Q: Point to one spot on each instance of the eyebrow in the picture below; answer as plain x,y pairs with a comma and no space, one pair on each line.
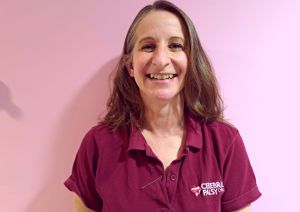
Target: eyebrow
152,38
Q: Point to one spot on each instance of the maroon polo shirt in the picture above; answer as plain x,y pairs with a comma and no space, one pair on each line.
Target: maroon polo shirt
117,171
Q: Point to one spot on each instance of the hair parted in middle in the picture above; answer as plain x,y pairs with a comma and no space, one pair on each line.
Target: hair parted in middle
201,93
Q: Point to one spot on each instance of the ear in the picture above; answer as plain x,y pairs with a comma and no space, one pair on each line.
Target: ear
129,67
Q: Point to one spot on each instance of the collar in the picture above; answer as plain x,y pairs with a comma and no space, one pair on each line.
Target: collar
193,137
136,139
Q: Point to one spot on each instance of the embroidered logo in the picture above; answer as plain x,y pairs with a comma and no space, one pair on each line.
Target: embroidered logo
208,189
196,190
213,188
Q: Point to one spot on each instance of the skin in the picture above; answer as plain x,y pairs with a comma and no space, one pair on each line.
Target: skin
79,206
159,50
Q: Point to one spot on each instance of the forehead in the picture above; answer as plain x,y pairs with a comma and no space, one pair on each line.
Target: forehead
159,23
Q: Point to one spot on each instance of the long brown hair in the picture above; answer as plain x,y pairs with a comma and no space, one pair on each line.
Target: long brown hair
201,94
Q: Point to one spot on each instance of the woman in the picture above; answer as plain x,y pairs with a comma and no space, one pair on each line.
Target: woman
163,145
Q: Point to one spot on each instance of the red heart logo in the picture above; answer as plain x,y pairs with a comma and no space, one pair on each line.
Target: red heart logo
196,190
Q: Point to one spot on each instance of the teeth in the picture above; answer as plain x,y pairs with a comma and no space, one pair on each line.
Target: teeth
162,76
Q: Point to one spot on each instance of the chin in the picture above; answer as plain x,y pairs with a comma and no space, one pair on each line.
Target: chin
167,97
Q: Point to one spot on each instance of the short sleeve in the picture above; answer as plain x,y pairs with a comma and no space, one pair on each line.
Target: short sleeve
239,179
82,179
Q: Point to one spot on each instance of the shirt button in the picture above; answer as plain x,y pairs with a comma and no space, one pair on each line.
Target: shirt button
173,177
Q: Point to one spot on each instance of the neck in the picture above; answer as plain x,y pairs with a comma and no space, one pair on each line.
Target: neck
165,118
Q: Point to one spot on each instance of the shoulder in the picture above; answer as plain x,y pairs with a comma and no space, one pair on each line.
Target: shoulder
221,135
221,128
98,131
102,137
102,132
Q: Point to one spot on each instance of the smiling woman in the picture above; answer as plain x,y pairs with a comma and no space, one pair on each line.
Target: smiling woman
163,144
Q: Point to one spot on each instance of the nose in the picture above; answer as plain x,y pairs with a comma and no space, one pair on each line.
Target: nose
161,57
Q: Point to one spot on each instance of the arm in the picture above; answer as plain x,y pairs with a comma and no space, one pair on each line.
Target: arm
245,209
79,205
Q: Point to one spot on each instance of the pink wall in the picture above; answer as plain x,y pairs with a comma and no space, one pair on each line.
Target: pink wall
55,58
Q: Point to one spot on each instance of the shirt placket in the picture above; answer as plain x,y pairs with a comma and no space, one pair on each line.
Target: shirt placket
172,178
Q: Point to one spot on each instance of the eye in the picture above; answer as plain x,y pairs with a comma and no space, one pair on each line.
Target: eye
148,47
176,46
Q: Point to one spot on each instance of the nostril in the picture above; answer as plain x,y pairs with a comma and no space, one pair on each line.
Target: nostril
161,58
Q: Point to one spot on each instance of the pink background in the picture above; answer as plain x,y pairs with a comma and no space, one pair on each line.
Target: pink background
55,59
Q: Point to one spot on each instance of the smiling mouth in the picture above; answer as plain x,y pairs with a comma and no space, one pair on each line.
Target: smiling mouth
161,76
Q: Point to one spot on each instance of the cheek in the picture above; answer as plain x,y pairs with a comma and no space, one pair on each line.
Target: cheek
139,62
182,62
